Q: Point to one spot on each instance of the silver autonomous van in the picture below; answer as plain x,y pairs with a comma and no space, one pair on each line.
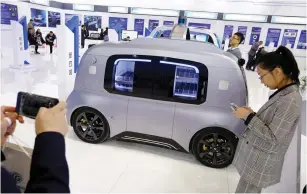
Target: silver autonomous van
174,94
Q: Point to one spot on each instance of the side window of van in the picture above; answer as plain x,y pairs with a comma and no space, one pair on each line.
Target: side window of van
157,78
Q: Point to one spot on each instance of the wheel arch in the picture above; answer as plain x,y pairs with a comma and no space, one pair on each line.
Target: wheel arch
81,107
206,128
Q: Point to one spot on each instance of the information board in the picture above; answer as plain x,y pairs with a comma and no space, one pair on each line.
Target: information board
8,12
68,17
92,23
302,40
199,25
255,35
289,37
228,30
243,30
152,24
118,24
39,17
54,18
139,26
168,23
273,36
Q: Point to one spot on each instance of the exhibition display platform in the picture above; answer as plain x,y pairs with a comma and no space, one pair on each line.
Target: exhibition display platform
116,166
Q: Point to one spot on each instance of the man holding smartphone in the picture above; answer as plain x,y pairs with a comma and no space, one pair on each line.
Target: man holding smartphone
49,169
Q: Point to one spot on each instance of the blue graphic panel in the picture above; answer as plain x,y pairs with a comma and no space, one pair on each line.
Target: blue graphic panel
8,12
273,36
92,23
243,30
255,35
68,18
186,82
228,30
302,41
199,25
118,24
39,17
152,24
139,26
54,18
289,37
168,23
73,26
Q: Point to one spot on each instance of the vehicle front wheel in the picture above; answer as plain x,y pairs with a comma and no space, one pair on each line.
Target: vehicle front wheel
214,147
90,125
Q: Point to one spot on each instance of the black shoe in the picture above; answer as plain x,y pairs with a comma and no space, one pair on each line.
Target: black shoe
37,53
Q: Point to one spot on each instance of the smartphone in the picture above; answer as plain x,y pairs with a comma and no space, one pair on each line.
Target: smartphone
233,106
28,104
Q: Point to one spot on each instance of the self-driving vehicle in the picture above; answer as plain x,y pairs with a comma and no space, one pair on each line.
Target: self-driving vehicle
170,93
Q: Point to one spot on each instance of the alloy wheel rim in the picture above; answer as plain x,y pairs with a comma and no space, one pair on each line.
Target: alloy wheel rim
90,126
215,149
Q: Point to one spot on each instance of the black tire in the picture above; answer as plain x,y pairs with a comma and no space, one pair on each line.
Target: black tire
90,130
214,147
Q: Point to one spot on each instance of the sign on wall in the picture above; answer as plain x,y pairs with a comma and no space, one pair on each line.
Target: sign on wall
168,23
54,18
8,12
243,30
152,24
68,17
199,25
92,23
289,37
139,26
228,30
39,17
302,41
255,35
273,36
118,24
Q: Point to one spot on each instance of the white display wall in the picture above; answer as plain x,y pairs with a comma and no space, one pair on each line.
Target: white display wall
216,25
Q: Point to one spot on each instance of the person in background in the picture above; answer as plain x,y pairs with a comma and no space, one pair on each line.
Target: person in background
261,150
30,24
39,37
84,34
252,53
32,39
106,35
235,41
50,38
49,170
101,34
259,53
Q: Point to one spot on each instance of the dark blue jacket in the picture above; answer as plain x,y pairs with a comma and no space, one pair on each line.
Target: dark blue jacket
49,170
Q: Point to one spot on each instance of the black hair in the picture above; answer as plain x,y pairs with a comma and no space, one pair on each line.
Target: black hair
241,36
31,20
284,59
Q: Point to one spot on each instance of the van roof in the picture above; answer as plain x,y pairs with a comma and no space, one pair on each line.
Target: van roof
141,45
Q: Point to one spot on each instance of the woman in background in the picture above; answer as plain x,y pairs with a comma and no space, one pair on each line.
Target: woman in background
260,153
32,39
39,37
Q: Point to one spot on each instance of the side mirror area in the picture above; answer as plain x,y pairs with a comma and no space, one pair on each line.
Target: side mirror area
241,62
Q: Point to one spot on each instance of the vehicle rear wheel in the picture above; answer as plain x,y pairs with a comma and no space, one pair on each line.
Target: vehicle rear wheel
214,147
90,125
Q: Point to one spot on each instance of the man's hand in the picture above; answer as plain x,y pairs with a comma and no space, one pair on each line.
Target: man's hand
8,129
52,120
